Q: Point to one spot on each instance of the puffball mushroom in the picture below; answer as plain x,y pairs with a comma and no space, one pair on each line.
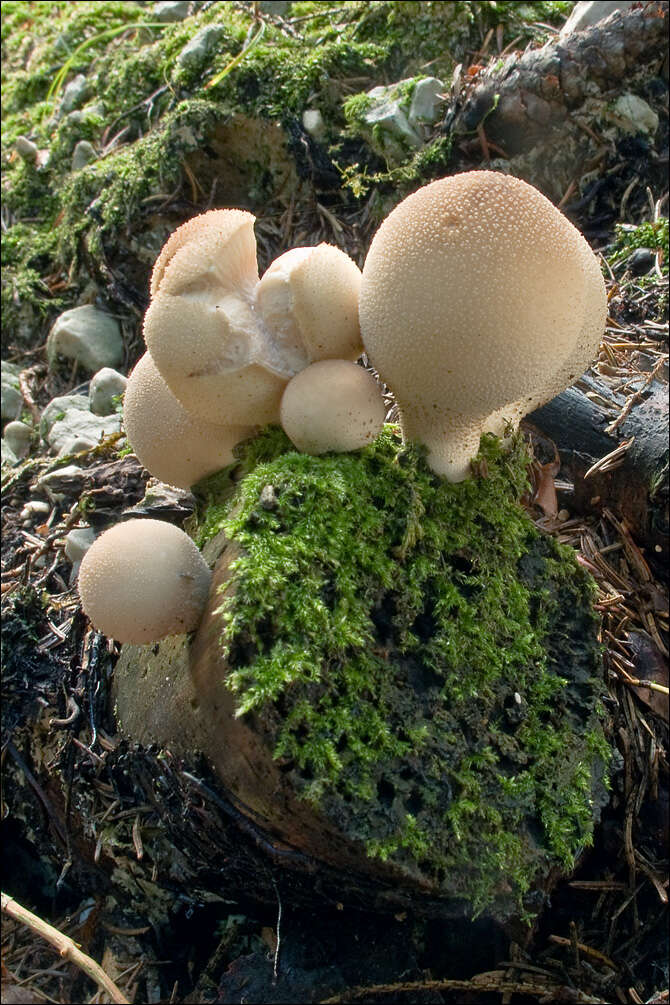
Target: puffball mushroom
332,405
479,300
308,298
172,444
142,581
226,343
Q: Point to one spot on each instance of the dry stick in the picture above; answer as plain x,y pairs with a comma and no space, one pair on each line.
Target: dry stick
490,982
65,946
635,397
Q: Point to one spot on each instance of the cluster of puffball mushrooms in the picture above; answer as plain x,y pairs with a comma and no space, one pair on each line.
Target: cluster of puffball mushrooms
478,302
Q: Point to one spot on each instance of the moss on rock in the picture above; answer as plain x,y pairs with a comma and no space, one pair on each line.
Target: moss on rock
422,661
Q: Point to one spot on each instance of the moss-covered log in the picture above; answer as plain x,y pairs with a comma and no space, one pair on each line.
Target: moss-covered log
395,675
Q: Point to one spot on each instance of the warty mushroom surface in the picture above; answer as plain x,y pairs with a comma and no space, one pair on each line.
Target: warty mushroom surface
478,297
226,343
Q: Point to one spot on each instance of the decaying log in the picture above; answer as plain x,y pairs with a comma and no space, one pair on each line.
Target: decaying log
527,98
635,488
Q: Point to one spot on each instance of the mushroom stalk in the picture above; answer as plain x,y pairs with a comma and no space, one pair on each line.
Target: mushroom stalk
450,443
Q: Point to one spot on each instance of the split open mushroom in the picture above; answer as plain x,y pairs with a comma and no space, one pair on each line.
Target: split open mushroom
172,444
332,405
226,343
142,581
479,301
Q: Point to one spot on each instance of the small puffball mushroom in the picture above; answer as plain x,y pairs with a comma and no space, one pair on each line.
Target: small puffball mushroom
479,300
143,580
224,350
173,445
332,405
308,298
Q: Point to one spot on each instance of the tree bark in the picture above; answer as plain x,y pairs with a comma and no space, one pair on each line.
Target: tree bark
637,489
525,100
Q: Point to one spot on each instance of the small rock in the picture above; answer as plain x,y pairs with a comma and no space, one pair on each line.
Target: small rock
641,261
106,387
279,7
77,543
73,94
387,114
268,497
585,13
26,149
57,408
17,437
634,115
97,109
167,12
79,430
66,479
83,154
35,509
11,399
203,43
312,121
7,455
427,102
163,502
88,335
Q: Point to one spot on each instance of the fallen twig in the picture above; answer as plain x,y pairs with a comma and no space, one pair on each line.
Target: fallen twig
67,948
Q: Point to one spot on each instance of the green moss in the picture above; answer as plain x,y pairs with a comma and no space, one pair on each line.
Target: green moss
145,111
422,660
652,235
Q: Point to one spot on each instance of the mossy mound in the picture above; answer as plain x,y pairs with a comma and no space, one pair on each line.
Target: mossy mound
421,660
163,134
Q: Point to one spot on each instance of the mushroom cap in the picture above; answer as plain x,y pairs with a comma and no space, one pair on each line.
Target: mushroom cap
219,224
583,353
308,298
332,405
175,446
143,580
200,327
475,292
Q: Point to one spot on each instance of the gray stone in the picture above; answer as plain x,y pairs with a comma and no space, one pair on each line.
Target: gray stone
106,386
88,335
17,436
313,123
589,12
57,408
7,455
26,149
83,154
387,114
78,430
11,399
279,7
77,543
201,46
171,11
427,102
641,261
634,115
33,510
69,478
73,94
